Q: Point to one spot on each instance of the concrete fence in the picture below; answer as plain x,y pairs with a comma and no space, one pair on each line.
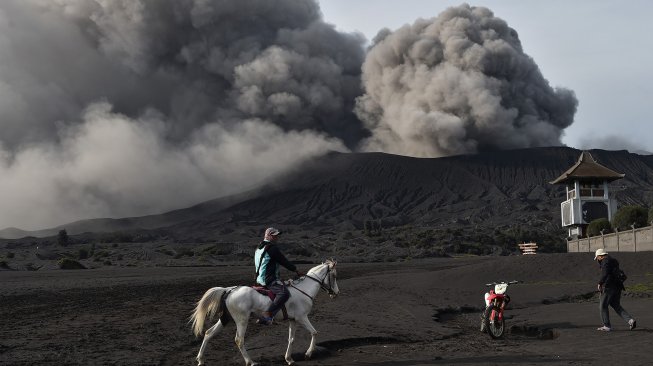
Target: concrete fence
634,240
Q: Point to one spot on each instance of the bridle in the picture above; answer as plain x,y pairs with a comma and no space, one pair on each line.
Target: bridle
328,289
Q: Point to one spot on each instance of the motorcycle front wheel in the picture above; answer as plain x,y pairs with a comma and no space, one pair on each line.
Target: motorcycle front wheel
493,325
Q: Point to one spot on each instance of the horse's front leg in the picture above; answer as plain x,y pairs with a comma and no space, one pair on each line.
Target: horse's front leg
307,324
291,339
208,335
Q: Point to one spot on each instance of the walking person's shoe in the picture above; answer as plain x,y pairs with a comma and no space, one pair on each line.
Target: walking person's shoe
632,324
604,329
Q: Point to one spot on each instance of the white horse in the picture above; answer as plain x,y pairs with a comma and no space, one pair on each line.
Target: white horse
241,301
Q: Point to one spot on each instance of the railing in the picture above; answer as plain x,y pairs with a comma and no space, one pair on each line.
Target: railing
528,248
634,240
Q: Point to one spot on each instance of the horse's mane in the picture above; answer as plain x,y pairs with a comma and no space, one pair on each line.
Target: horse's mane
331,263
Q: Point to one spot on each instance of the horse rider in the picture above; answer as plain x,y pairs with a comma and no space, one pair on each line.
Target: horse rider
267,259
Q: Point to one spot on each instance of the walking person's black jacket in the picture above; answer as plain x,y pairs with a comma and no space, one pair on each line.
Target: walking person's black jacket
609,273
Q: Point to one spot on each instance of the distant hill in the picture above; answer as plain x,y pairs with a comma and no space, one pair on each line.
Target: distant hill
339,196
107,225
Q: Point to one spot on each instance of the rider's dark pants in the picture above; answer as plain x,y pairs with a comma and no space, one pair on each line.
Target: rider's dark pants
282,296
611,296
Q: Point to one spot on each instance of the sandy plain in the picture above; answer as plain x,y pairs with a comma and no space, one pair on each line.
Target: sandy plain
419,312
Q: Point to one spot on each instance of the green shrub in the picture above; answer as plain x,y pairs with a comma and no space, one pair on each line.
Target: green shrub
101,253
628,215
597,225
83,253
650,215
67,263
181,252
62,238
165,251
32,267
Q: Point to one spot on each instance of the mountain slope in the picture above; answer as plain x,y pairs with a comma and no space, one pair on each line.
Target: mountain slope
503,188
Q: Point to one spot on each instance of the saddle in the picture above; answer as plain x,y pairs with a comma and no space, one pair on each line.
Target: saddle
267,292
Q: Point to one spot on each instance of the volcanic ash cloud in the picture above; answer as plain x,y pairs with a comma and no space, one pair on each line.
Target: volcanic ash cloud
459,83
131,107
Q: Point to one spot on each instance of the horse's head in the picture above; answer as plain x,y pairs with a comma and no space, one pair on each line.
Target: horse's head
325,275
330,279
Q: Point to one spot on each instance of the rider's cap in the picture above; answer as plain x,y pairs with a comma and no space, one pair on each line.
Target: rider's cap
599,252
272,232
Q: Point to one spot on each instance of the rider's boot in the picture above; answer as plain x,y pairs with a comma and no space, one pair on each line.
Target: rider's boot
265,319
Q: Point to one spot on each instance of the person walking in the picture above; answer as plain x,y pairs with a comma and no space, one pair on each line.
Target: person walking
267,259
610,287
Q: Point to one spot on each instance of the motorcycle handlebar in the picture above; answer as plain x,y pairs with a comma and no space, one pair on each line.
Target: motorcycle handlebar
498,283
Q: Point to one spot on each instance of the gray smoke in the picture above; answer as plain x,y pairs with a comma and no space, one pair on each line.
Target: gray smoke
459,83
128,107
613,142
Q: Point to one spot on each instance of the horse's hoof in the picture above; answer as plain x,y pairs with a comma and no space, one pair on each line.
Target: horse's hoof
290,362
308,356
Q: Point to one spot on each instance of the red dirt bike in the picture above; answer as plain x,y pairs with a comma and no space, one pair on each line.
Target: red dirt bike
492,319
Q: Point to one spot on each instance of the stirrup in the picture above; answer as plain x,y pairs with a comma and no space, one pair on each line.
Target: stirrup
264,320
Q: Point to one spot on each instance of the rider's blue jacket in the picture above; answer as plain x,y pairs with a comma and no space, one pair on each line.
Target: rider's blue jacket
267,259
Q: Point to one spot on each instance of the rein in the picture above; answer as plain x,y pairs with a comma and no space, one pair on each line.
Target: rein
329,289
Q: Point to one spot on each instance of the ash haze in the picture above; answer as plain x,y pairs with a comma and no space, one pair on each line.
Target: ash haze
118,108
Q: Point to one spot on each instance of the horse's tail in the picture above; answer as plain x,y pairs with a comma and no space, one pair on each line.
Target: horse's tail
209,304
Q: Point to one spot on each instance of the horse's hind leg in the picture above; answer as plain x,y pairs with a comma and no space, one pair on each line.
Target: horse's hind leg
208,335
307,324
291,339
241,328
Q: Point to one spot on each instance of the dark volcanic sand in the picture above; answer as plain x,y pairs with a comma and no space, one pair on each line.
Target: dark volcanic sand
385,315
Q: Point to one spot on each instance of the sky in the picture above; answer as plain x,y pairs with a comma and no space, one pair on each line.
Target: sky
122,108
600,49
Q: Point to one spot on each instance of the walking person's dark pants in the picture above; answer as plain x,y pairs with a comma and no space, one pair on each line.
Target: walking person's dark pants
611,296
282,296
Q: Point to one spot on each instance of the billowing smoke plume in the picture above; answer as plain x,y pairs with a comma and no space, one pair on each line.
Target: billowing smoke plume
458,83
128,107
113,108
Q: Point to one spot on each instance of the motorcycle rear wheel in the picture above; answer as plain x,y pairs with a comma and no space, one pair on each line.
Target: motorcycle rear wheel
493,325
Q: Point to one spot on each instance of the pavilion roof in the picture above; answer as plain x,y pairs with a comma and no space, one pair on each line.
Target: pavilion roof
587,168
